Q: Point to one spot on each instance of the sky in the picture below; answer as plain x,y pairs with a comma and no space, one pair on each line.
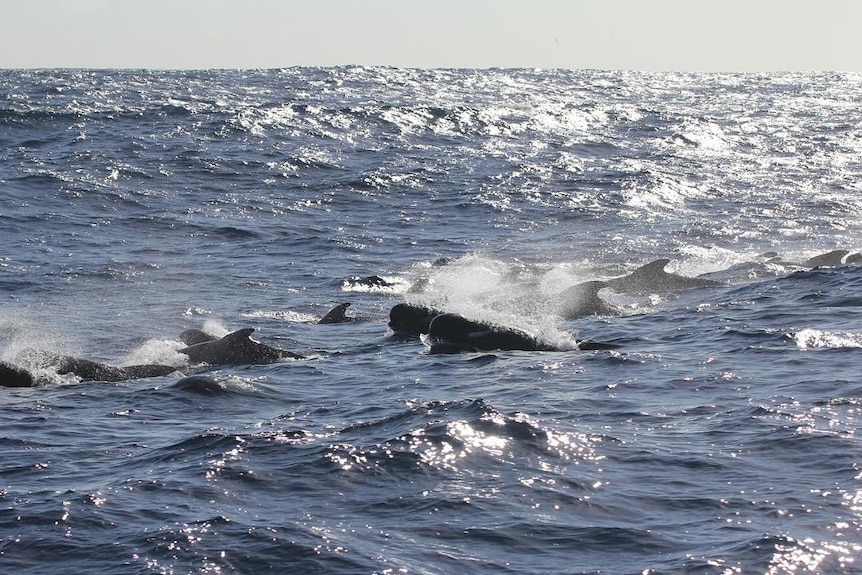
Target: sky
651,35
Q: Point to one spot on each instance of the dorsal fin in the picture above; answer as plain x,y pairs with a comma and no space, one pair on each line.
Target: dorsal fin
652,269
829,259
642,278
244,333
583,299
338,314
588,289
652,277
193,336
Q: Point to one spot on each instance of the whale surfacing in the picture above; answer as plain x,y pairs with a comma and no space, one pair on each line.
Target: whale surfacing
833,259
14,376
452,333
87,370
411,320
194,336
235,349
652,277
583,299
338,314
199,384
84,369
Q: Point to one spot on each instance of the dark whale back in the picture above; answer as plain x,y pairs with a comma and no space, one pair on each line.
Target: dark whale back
195,336
235,349
652,277
406,319
583,299
14,376
87,370
199,384
147,370
84,369
452,333
829,259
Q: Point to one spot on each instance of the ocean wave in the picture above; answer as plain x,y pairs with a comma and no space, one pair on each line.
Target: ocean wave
815,338
450,436
718,436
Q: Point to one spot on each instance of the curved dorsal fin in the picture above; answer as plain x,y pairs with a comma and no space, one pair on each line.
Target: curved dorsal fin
829,259
651,269
338,314
244,333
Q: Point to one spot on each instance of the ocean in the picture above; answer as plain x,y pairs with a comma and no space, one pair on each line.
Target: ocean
716,433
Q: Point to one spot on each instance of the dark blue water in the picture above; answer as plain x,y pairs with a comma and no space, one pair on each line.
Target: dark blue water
718,437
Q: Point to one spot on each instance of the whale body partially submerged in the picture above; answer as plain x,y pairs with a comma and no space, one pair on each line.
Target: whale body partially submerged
15,376
338,314
652,277
582,300
828,259
234,349
411,320
87,370
195,336
84,369
453,333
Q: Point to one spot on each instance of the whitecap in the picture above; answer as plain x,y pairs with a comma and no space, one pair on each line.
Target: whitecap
283,315
815,338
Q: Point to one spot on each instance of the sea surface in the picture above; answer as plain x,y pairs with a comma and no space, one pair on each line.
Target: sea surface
719,436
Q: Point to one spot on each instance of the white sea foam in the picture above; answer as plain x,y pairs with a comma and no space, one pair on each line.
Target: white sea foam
816,338
282,315
157,351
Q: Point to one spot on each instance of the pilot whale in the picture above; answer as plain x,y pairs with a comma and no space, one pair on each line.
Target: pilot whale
234,349
84,369
338,314
199,384
652,277
411,320
453,333
87,370
582,300
832,258
195,336
14,376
